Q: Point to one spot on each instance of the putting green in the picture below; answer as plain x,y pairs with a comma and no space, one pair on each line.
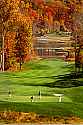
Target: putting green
14,98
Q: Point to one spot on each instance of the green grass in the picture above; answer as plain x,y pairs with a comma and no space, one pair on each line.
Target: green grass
49,77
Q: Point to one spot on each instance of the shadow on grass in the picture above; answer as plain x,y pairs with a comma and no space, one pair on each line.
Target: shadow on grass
60,81
67,80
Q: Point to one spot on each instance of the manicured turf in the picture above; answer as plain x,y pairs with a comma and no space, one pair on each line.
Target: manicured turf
49,77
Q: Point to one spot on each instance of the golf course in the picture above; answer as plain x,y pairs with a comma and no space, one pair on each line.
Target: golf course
48,77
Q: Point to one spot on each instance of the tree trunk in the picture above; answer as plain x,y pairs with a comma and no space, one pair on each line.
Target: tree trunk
3,54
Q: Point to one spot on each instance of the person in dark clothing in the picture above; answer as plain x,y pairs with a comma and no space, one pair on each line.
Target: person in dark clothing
39,94
31,98
9,93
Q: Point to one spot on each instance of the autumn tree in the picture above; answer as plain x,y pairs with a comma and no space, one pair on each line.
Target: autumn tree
78,36
7,7
15,17
9,50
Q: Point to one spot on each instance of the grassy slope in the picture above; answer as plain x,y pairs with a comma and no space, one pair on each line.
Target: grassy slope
41,75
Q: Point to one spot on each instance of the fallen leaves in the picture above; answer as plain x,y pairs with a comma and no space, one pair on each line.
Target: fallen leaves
31,117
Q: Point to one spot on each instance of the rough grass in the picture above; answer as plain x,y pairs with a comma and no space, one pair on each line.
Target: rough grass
49,77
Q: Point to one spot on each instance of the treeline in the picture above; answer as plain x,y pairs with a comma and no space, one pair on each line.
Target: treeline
20,19
56,15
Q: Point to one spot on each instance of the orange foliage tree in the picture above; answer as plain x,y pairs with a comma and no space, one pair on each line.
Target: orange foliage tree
78,36
15,17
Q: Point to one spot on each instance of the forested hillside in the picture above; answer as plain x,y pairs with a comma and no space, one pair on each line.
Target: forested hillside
20,19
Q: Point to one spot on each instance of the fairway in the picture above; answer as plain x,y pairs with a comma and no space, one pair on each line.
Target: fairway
49,77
